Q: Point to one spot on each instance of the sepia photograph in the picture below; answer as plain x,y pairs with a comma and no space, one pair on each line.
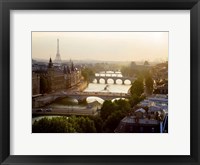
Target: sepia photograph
100,81
97,72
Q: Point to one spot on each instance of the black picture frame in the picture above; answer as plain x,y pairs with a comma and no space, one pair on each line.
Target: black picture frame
7,5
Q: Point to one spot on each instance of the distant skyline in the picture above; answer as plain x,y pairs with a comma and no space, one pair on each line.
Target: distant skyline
103,46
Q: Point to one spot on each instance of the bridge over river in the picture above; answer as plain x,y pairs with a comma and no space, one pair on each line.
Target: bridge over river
80,96
113,77
102,95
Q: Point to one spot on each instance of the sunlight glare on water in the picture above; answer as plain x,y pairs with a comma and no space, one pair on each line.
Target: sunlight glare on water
110,87
93,99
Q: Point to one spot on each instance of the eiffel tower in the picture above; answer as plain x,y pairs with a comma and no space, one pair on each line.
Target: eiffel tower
57,60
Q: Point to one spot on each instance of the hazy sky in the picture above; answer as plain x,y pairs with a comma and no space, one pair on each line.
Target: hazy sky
110,46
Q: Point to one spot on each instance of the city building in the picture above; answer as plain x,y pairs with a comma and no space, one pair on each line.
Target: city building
161,89
52,77
63,79
150,117
35,83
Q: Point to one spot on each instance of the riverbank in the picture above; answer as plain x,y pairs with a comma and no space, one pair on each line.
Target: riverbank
81,86
49,98
70,110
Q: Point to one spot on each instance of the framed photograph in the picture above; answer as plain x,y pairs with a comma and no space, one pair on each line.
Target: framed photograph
111,82
102,90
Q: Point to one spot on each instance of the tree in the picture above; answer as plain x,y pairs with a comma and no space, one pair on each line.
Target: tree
134,99
136,90
123,105
112,121
107,109
85,125
137,87
54,125
113,112
64,125
87,74
98,122
129,71
149,84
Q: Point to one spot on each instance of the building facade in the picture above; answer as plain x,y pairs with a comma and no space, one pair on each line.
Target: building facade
35,83
54,76
62,79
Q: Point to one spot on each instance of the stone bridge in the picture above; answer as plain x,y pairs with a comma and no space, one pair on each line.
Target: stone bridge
103,95
114,78
80,96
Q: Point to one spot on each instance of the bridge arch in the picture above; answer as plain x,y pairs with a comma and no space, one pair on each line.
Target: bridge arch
124,80
81,96
99,81
68,99
92,99
127,81
118,81
110,79
95,81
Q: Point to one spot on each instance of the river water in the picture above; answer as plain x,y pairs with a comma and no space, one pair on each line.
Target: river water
93,87
107,88
110,87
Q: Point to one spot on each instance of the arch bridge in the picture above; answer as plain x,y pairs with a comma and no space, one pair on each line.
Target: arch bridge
103,95
106,78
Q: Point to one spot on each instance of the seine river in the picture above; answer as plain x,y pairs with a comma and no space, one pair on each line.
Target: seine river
94,87
110,87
